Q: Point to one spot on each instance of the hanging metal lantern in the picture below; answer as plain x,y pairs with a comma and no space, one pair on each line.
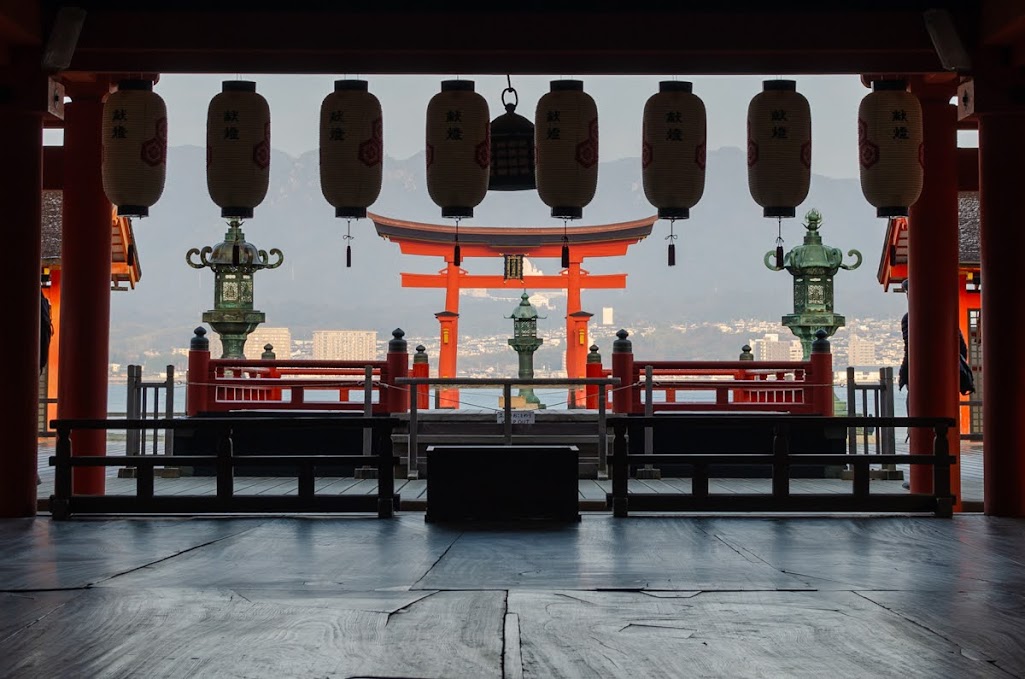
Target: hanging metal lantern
779,148
673,149
566,141
134,147
458,148
512,149
890,148
238,148
351,148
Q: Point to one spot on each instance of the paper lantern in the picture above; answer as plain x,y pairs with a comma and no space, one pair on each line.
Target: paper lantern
238,149
673,149
890,149
351,148
566,141
779,148
458,148
134,147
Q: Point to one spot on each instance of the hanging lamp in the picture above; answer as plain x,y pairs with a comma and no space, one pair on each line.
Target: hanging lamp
779,152
134,164
890,148
673,153
351,152
238,149
458,151
512,148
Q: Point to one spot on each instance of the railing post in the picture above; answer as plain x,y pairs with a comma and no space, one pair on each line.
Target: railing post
61,500
743,395
169,410
268,354
421,368
132,436
224,466
852,411
623,368
603,433
412,440
941,473
397,398
620,471
385,471
822,375
199,368
593,368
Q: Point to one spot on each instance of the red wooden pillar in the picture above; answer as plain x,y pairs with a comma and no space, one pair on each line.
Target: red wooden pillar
422,368
594,371
21,181
932,283
85,266
1001,167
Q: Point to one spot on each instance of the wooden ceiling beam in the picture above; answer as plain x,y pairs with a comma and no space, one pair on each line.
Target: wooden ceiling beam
1002,22
614,42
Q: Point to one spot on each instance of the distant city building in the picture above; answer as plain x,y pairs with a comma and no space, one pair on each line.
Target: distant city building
345,345
606,315
279,338
860,351
771,348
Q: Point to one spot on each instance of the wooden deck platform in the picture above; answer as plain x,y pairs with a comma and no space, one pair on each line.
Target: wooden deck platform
637,597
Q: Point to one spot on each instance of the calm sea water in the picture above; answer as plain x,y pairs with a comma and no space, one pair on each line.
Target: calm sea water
554,399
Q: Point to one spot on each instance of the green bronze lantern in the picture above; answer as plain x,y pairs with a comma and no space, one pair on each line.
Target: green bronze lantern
525,341
813,266
233,261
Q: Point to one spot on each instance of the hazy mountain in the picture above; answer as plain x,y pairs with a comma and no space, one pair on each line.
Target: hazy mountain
719,273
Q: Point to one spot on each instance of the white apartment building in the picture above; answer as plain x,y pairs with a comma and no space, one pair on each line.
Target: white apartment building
345,345
771,348
279,338
861,352
606,315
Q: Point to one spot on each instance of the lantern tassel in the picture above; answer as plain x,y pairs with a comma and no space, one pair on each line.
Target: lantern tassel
672,245
565,245
348,248
779,243
457,257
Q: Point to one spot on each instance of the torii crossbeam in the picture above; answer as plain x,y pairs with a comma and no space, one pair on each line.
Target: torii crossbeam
437,240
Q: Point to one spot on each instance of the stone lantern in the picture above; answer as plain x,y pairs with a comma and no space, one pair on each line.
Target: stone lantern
233,261
525,341
813,266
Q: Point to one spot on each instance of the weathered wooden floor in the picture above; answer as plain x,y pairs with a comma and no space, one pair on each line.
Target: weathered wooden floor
638,597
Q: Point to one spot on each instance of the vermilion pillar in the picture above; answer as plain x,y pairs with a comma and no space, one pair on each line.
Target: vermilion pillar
933,283
21,181
1001,168
85,289
576,354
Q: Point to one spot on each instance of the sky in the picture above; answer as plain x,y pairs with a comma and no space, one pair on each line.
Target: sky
295,108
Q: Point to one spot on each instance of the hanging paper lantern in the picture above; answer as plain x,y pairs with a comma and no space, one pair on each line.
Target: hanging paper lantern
566,141
673,149
890,148
458,148
779,148
134,147
351,148
238,148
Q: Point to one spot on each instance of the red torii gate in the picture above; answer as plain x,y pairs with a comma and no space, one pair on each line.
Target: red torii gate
607,240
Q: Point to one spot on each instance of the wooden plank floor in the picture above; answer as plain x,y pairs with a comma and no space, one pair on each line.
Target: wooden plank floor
639,597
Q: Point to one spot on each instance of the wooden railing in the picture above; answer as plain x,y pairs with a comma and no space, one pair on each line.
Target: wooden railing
228,385
225,460
794,387
673,433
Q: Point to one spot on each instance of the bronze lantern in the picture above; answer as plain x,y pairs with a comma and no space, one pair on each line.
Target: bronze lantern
512,149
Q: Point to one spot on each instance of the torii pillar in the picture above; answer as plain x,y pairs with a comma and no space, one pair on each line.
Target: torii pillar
992,98
933,281
21,184
85,271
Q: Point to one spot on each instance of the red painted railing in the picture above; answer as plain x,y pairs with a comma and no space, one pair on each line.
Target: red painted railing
796,387
226,385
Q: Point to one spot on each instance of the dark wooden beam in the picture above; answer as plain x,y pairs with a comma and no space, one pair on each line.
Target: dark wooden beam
611,42
53,168
968,169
